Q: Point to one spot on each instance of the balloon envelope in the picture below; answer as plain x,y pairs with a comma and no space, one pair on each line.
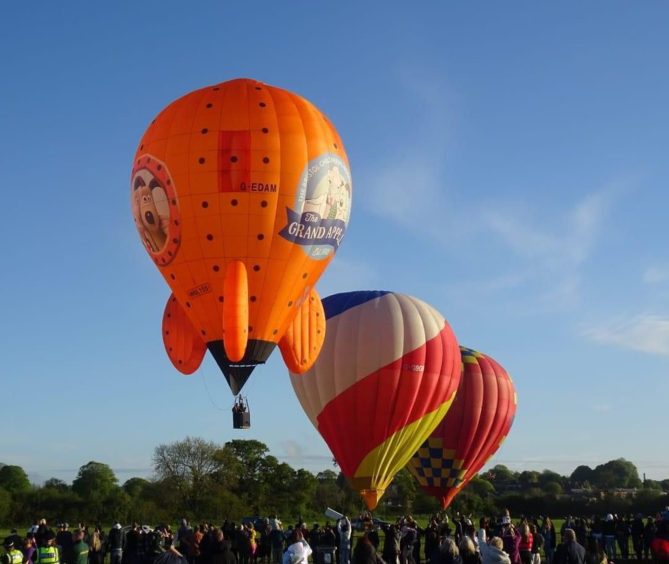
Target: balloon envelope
471,432
241,195
385,377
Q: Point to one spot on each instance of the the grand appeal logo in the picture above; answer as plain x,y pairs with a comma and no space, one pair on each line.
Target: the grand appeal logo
324,196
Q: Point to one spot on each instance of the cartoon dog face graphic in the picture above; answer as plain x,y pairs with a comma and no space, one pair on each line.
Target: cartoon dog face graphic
150,209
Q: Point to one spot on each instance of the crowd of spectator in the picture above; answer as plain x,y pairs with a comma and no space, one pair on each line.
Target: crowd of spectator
266,541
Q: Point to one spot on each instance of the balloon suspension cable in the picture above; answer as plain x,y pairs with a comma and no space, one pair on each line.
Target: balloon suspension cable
209,395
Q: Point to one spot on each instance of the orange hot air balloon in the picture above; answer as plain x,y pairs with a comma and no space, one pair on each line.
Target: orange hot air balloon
471,432
241,194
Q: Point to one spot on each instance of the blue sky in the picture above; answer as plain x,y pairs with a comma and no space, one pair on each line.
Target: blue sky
509,164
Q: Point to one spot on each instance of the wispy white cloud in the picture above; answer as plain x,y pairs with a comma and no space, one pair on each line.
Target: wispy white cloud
645,333
548,246
656,274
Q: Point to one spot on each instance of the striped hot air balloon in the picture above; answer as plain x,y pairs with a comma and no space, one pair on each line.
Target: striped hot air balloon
386,376
471,432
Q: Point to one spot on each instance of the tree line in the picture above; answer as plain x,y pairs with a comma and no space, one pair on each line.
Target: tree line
200,479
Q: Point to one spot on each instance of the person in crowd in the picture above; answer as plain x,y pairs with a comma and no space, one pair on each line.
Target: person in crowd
12,554
116,544
344,529
447,553
550,538
511,540
184,533
468,551
526,544
569,551
623,531
594,554
364,551
64,542
16,539
409,534
29,549
609,532
277,539
636,531
537,543
221,549
492,552
659,546
391,544
431,539
133,544
163,547
649,531
48,552
79,548
298,550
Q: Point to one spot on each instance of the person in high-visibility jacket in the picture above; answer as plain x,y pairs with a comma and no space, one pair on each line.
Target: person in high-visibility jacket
47,554
12,555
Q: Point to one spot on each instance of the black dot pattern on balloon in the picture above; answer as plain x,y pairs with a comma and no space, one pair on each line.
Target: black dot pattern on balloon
167,332
170,349
262,104
233,159
215,88
221,299
233,202
263,204
204,131
187,304
304,276
201,160
250,329
160,167
203,332
210,105
175,241
252,299
275,331
265,160
216,268
174,201
141,146
260,236
205,204
210,237
173,277
265,130
290,303
335,146
258,88
256,267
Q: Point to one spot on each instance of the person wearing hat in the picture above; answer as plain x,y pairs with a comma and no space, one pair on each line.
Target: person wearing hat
12,555
48,553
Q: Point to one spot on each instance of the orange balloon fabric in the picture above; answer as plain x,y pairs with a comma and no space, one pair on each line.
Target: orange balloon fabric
241,172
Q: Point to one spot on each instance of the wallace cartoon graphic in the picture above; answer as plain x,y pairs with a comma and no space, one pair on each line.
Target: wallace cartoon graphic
150,209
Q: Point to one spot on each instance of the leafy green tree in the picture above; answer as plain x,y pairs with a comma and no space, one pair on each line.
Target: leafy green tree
135,486
56,484
406,487
619,473
553,489
581,475
14,479
95,480
5,506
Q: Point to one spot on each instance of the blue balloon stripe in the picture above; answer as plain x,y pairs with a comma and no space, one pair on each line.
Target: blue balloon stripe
339,303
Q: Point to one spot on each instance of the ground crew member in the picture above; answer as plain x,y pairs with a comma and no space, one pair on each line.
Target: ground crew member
47,554
12,555
80,548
